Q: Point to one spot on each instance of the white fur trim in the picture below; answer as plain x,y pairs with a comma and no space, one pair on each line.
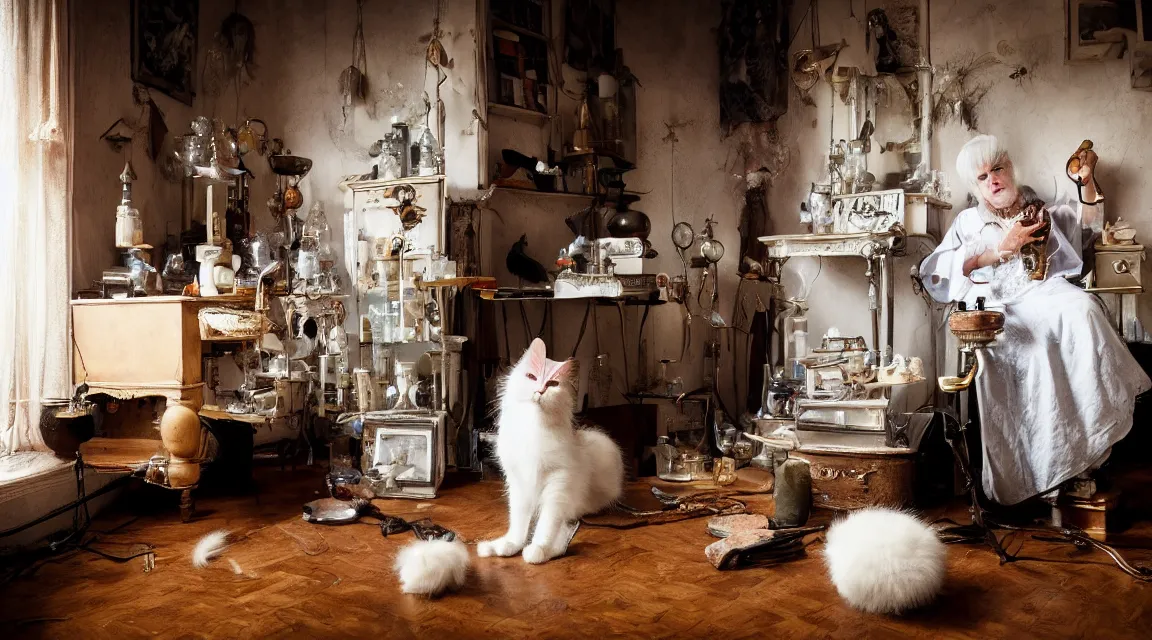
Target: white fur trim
885,561
430,567
209,547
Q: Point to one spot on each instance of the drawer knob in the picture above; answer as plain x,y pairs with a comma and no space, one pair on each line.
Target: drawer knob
1120,266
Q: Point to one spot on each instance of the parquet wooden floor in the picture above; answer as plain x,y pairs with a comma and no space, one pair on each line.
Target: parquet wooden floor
304,580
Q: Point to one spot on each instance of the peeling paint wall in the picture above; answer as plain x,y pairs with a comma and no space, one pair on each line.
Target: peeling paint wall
301,48
1041,118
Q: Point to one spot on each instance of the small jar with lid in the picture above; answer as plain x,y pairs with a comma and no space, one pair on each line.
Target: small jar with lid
129,227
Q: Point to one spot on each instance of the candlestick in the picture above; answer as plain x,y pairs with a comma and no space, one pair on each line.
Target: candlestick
210,228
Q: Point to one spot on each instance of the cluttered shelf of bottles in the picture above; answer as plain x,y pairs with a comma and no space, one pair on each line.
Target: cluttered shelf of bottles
379,364
288,349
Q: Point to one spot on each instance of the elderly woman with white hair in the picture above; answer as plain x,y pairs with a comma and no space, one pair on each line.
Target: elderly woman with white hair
1057,389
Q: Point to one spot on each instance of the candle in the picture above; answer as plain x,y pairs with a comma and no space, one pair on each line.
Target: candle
209,227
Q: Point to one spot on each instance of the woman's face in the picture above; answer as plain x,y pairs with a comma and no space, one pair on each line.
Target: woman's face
997,184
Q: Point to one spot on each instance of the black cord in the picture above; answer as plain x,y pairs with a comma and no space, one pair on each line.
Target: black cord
76,539
583,327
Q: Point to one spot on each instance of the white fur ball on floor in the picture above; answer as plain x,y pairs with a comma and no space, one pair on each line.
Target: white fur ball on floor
430,567
885,561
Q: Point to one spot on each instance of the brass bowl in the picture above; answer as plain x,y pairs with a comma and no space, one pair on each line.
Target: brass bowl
976,327
283,165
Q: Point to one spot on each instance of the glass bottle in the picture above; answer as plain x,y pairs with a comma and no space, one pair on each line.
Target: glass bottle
129,229
400,141
855,166
819,208
796,332
430,158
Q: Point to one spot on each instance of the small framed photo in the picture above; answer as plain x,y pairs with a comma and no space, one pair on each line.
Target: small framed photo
403,453
408,451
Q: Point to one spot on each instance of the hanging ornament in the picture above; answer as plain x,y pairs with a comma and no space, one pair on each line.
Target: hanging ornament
353,83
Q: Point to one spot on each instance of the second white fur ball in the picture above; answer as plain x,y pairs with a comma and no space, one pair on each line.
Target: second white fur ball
430,567
885,561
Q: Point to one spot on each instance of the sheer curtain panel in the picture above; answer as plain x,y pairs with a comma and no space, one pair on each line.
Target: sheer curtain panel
35,211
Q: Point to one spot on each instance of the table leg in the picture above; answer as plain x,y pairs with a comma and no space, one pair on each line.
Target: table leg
187,505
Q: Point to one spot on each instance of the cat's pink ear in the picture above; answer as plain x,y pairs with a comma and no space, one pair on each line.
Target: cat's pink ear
563,370
537,355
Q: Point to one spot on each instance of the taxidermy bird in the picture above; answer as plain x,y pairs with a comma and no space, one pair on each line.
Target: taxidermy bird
523,266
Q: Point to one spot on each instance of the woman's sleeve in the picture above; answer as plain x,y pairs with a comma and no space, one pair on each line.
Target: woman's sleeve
942,272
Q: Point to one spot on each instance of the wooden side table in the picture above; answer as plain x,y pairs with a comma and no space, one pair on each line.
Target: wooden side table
147,348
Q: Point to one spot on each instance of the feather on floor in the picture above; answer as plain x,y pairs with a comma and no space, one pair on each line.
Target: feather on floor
430,567
209,547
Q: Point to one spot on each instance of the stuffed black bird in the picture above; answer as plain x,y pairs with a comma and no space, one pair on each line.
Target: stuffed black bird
521,265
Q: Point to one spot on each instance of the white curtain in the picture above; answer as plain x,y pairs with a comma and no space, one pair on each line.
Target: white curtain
35,211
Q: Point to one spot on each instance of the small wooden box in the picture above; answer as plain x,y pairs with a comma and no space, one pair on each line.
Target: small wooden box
1118,268
853,480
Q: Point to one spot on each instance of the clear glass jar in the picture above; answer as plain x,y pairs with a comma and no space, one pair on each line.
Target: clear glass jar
308,258
129,229
855,166
696,465
669,462
430,156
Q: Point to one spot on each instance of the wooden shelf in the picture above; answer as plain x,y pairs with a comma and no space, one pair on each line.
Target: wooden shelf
119,454
517,113
218,414
460,282
630,196
497,23
356,184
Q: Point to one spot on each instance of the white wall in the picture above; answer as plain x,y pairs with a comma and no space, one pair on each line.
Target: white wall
1042,119
103,93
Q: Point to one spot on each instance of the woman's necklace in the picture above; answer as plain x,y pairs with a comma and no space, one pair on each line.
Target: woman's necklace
1009,214
1010,211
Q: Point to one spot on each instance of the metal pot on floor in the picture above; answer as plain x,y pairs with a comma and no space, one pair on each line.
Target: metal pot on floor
64,425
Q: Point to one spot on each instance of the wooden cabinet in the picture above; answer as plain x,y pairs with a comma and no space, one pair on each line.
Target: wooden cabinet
147,348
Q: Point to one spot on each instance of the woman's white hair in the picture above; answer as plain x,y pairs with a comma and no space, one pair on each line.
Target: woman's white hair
979,152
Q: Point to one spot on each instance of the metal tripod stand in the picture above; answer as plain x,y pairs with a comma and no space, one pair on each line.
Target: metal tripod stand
976,330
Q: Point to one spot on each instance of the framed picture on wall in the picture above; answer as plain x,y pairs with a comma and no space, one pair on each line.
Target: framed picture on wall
590,35
1098,30
1140,58
164,45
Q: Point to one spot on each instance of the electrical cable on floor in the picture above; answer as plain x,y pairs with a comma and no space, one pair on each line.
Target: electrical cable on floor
76,540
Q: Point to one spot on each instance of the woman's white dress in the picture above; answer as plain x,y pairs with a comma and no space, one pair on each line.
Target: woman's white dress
1058,387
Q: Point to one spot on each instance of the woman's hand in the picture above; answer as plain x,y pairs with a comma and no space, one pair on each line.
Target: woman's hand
1018,236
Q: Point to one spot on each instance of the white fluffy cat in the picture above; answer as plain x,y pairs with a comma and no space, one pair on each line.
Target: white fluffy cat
555,472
